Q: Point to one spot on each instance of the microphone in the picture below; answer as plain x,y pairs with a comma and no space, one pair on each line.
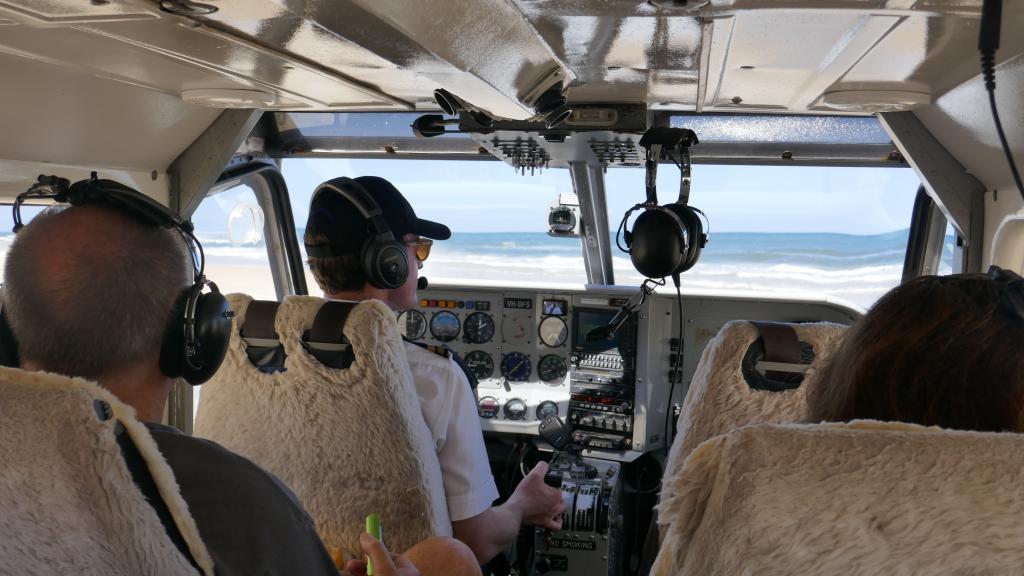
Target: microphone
421,283
607,332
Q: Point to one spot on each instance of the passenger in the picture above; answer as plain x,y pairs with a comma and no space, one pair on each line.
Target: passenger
89,291
336,226
937,351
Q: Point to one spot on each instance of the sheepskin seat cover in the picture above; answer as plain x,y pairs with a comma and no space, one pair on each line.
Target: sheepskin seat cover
719,398
863,498
347,442
68,504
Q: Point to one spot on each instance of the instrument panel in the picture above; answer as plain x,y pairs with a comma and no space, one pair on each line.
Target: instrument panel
530,352
516,343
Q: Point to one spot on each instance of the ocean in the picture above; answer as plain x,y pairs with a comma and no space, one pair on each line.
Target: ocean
855,268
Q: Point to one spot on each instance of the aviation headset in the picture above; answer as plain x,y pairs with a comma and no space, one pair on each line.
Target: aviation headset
383,259
200,325
665,240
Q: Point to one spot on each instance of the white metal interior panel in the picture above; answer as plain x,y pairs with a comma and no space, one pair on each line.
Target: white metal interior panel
50,113
962,121
16,176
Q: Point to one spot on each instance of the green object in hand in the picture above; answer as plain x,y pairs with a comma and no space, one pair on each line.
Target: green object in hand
373,528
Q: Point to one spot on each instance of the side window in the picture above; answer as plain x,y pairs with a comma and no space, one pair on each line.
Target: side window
7,227
946,262
230,225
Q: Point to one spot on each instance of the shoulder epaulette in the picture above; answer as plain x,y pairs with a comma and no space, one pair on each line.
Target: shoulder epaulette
439,350
447,352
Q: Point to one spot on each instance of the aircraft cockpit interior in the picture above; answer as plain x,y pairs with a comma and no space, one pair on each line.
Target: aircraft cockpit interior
632,236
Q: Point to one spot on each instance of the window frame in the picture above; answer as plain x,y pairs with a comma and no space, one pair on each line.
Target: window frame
268,185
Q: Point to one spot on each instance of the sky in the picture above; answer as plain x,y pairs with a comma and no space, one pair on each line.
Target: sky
489,196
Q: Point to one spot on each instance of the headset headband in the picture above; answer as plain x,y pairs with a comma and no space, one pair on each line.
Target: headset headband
363,201
112,194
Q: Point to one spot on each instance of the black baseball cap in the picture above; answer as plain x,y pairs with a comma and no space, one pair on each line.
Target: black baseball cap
334,216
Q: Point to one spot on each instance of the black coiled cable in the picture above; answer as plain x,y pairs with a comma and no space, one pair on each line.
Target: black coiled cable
988,72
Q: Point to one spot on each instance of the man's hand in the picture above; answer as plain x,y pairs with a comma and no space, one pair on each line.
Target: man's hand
384,563
539,504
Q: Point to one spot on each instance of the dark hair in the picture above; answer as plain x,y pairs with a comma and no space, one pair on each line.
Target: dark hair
103,301
938,351
337,273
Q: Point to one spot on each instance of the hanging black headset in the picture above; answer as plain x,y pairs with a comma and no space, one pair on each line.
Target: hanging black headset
199,327
665,240
384,260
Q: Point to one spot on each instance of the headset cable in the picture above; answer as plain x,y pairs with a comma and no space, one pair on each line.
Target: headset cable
988,43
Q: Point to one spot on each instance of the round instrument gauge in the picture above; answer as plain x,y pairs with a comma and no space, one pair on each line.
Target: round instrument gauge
487,407
444,326
515,329
480,363
479,328
553,331
515,409
515,367
552,369
413,324
546,408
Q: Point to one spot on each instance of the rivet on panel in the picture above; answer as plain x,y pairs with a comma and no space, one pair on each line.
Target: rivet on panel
736,100
153,175
787,155
389,148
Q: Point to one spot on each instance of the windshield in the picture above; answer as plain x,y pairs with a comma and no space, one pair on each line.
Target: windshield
812,231
798,230
498,217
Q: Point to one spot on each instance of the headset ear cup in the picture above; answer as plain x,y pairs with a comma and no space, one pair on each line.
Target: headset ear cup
385,264
173,349
695,234
212,334
658,246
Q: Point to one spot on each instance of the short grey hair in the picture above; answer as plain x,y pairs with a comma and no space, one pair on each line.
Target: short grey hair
82,308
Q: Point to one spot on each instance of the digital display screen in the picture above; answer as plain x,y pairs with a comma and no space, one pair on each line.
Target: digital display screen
584,321
555,307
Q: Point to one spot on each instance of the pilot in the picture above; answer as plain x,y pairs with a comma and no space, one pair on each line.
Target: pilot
335,235
89,291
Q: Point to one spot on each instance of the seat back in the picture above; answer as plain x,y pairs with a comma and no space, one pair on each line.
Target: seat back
69,504
856,499
727,392
348,441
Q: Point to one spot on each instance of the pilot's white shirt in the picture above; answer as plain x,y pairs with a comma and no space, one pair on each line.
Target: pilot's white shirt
449,410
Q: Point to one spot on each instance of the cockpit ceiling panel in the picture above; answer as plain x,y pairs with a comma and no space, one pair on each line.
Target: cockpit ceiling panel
483,51
624,57
703,55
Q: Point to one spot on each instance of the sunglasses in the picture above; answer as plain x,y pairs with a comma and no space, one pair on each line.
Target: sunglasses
422,246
